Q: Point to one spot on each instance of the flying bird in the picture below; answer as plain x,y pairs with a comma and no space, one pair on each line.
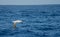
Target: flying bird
15,22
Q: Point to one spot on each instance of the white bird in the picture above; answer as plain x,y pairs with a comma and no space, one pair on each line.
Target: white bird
16,21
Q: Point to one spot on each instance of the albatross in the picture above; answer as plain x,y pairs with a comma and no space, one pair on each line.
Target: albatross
15,22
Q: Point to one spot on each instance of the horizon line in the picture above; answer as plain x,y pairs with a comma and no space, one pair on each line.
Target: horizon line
30,4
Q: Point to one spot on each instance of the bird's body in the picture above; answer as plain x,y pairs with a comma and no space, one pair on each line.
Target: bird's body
16,21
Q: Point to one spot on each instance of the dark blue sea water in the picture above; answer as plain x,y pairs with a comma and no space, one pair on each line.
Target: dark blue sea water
38,20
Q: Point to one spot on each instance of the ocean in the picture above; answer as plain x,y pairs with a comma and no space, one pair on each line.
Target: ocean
38,20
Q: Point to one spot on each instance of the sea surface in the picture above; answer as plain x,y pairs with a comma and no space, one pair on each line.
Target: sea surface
38,20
